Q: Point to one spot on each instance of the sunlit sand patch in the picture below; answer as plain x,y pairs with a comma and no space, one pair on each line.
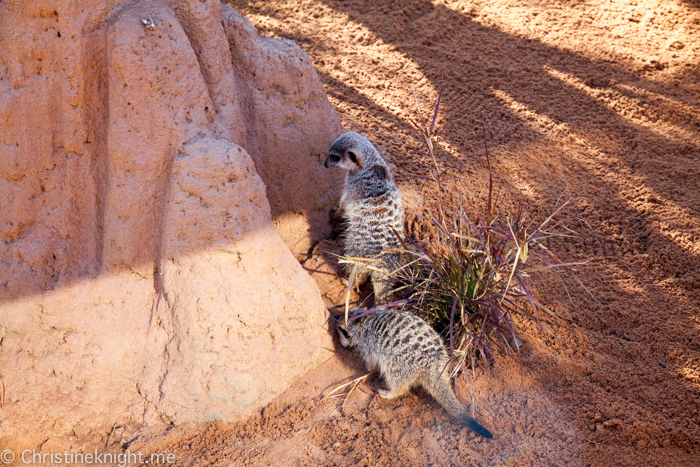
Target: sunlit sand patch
364,52
601,28
628,108
621,177
525,187
539,122
518,456
690,111
338,55
692,375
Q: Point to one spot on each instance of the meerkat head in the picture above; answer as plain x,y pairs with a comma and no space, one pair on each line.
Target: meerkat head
352,151
345,331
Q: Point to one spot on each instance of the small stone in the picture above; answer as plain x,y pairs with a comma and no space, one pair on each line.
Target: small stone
612,423
148,23
677,45
336,444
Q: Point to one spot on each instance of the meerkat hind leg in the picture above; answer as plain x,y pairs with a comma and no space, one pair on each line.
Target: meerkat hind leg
395,389
381,284
359,280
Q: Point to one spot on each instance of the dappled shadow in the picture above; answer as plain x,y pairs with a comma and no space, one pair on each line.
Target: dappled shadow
465,55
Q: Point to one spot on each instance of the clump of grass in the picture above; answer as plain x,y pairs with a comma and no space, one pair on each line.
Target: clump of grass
474,276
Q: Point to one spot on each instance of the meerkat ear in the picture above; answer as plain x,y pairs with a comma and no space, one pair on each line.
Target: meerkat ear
380,172
352,157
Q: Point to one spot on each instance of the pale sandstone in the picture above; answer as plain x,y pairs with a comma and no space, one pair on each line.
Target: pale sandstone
156,102
235,309
142,280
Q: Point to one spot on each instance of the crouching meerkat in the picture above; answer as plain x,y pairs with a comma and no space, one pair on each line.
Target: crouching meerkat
407,352
371,209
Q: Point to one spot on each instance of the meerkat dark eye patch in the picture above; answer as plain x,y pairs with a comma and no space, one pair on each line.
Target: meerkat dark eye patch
379,171
345,332
352,157
335,158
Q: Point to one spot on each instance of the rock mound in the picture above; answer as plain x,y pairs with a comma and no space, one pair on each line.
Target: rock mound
142,279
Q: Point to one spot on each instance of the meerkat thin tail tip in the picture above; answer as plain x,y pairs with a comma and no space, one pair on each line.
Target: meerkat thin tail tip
477,428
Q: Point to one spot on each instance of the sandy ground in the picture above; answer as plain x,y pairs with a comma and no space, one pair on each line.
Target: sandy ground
597,102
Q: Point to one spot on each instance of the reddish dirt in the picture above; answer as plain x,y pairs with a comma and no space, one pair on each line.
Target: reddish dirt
595,102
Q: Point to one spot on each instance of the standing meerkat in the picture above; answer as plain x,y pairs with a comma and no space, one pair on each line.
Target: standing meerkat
407,352
371,209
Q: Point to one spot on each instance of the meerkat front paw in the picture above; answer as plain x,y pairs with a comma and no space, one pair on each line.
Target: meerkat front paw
386,394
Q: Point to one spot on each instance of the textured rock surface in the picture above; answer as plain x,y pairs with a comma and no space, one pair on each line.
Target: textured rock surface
239,306
290,126
142,279
157,100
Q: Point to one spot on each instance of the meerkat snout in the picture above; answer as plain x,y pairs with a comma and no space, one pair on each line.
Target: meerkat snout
347,153
342,328
344,337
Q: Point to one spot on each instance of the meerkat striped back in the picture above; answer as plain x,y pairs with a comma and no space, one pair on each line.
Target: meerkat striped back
404,342
374,223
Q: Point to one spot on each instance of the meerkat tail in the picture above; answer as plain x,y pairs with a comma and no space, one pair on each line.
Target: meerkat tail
476,427
451,403
442,392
